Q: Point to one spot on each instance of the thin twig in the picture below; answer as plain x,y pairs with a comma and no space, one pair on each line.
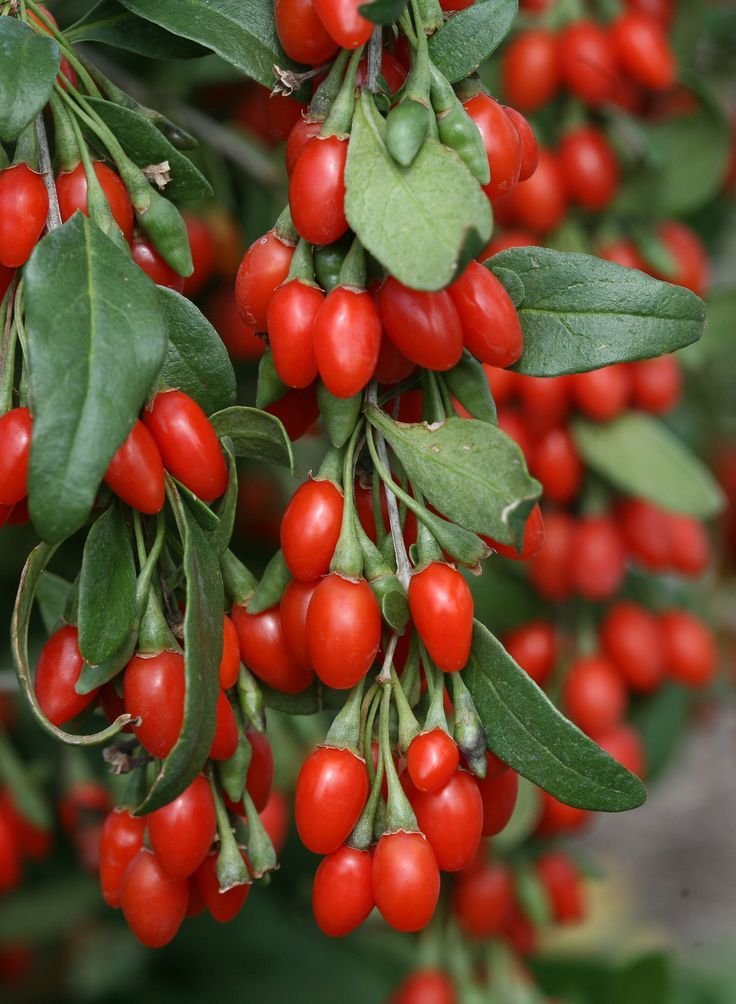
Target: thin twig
53,220
403,568
374,58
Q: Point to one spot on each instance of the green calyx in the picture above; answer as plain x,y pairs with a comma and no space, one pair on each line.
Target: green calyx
344,733
456,128
270,589
340,115
240,583
348,557
328,90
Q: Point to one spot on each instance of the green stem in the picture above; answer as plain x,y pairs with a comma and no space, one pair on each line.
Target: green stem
340,115
348,557
400,815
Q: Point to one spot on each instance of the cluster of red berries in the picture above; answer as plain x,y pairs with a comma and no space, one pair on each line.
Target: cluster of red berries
20,839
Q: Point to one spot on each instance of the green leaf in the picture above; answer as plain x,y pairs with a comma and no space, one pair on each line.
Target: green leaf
470,36
641,457
511,283
33,569
580,312
202,652
255,434
339,414
93,317
227,507
315,698
470,471
205,516
29,63
106,587
196,361
527,731
52,595
422,222
241,31
469,384
383,11
145,144
110,23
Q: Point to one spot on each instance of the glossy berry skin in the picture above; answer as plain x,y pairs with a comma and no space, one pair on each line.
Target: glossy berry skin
136,471
484,899
451,818
153,689
24,206
427,986
189,445
275,819
531,543
529,149
534,647
632,640
310,528
598,558
690,546
71,187
501,141
347,340
557,464
425,327
223,906
16,427
150,261
561,881
432,759
406,880
240,339
294,606
344,22
290,319
342,897
541,202
259,779
588,61
643,50
602,394
441,606
692,269
530,71
225,740
392,366
230,661
343,630
656,384
298,410
181,833
689,648
205,243
550,569
498,794
331,792
491,326
121,839
57,672
304,130
317,190
594,694
302,34
263,650
153,904
264,268
590,168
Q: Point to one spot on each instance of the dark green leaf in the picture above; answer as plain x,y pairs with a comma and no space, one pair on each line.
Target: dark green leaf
383,11
469,384
270,589
255,434
470,471
470,36
580,312
227,506
511,283
339,414
270,386
93,316
641,457
106,587
316,697
29,63
202,652
527,731
109,22
45,911
145,144
52,595
421,222
241,31
196,362
206,518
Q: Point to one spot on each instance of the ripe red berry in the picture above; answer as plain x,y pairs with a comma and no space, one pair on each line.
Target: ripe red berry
406,880
602,394
534,647
622,252
343,630
71,188
153,688
692,268
428,986
590,168
532,540
594,694
530,70
120,841
150,261
484,899
331,792
598,558
556,817
556,463
301,32
259,779
498,792
490,324
275,819
441,606
631,638
204,243
24,205
689,648
529,149
656,384
264,651
622,742
561,881
57,672
646,532
230,661
588,61
342,897
344,22
690,546
502,143
643,50
347,340
425,327
294,606
540,203
545,401
317,190
11,856
136,471
432,759
551,572
310,528
264,267
223,906
153,904
290,318
181,833
16,427
225,739
451,818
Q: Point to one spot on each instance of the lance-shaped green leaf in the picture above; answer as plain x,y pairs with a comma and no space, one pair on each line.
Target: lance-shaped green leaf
52,595
383,11
220,536
145,145
202,652
469,384
470,471
527,732
241,31
641,457
106,587
423,222
580,312
34,567
315,698
470,36
29,63
339,414
255,434
196,360
93,317
110,23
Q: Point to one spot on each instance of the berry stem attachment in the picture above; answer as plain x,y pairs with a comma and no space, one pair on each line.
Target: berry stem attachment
399,815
